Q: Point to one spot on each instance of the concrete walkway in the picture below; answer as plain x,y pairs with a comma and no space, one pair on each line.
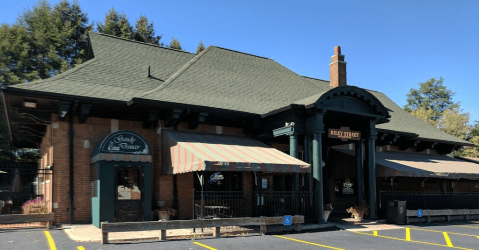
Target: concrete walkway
85,233
353,225
90,233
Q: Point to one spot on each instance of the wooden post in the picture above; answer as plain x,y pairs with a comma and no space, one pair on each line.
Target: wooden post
263,229
162,234
448,218
359,172
293,151
297,227
104,238
466,217
216,232
428,219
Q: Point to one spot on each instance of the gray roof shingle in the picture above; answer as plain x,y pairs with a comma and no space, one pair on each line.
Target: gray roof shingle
216,78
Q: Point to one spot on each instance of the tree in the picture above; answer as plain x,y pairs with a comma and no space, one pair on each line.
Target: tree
175,44
75,21
455,123
15,52
200,47
425,115
144,32
431,95
116,25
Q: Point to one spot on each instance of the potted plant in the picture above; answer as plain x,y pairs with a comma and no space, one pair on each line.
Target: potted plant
328,208
358,212
164,213
37,206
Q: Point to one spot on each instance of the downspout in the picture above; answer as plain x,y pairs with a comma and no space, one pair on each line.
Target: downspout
71,135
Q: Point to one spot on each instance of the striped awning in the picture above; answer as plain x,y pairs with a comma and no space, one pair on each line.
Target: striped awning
391,164
188,151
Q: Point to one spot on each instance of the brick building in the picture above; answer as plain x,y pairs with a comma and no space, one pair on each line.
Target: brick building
224,130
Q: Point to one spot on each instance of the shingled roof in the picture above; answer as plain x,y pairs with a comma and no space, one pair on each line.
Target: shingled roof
216,78
118,71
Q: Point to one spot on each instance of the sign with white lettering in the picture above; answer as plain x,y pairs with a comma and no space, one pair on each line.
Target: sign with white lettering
125,142
344,133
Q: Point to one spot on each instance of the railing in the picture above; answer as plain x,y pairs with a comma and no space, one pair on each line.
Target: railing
430,200
252,203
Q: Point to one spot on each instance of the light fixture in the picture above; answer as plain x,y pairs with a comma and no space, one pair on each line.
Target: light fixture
30,103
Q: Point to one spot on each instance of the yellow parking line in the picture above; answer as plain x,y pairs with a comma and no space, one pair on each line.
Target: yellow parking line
375,233
408,234
435,231
414,241
307,242
448,241
205,246
466,226
80,248
50,240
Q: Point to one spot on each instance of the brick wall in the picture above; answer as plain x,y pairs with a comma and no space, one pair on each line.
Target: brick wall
55,151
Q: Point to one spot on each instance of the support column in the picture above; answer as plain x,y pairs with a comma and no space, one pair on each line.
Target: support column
293,151
317,176
359,172
307,159
371,165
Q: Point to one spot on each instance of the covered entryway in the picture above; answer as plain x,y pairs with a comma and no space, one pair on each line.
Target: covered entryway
120,191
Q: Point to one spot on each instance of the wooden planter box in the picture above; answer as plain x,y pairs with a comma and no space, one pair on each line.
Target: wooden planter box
27,218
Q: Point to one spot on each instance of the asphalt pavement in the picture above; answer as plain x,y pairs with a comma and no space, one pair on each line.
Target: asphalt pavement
455,235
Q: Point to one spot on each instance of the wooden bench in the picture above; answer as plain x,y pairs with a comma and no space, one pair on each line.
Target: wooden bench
217,223
27,218
428,213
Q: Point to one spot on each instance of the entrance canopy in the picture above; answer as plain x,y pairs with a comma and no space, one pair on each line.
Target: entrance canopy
422,165
187,152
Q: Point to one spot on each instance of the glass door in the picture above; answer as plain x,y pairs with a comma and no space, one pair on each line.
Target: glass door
128,195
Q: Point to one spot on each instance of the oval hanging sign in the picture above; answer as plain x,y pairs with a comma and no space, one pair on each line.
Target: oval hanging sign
124,142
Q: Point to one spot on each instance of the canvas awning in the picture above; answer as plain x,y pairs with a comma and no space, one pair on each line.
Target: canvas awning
188,152
391,164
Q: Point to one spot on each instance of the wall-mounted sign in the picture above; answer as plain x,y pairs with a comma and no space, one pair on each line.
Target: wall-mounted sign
348,187
344,133
125,142
217,177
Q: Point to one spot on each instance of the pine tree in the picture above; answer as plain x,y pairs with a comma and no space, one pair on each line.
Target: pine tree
75,22
200,47
144,32
175,44
116,25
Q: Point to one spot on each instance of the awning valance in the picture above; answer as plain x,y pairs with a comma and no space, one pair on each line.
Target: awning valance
422,165
188,151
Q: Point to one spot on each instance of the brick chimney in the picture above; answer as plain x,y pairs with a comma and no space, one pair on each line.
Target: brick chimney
337,69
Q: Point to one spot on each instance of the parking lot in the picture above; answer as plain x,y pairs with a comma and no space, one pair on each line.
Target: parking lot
457,235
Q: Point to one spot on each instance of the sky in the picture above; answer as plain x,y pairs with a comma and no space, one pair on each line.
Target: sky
389,46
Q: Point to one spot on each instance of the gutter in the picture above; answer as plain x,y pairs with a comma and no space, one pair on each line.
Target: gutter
71,136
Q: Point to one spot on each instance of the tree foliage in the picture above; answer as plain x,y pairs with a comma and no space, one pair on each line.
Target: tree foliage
144,32
116,24
432,96
455,123
200,47
175,44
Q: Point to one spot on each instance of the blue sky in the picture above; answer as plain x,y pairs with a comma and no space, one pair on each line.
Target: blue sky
390,46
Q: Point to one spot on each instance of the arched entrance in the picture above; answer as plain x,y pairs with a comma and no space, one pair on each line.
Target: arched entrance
121,179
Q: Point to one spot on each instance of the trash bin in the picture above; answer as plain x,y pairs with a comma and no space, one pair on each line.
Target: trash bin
396,212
